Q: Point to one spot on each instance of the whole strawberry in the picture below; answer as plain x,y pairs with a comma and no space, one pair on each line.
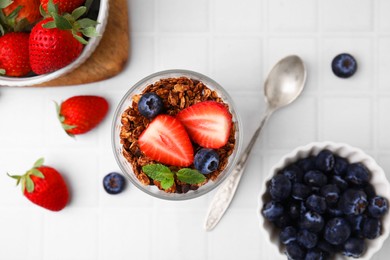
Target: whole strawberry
64,6
80,114
14,54
25,9
44,186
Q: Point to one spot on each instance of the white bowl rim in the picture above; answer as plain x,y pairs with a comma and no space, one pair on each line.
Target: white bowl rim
86,53
292,156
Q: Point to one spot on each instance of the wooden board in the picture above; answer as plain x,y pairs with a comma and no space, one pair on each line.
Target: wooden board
110,56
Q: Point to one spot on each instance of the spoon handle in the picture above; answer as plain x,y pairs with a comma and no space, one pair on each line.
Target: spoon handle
225,193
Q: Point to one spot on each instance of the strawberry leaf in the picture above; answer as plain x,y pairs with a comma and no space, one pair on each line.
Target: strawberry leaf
88,4
78,12
29,184
49,25
190,176
52,8
5,3
79,38
160,173
86,22
89,32
2,71
61,22
39,163
37,173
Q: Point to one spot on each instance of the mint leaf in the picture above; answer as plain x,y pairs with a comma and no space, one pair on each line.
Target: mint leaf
159,173
190,176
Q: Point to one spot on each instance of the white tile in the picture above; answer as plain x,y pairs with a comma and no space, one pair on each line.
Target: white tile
181,52
21,234
383,122
362,50
71,234
245,19
125,233
348,120
293,15
237,62
346,16
383,15
383,68
183,16
142,17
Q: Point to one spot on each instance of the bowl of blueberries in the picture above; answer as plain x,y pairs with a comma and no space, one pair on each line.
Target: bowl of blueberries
325,200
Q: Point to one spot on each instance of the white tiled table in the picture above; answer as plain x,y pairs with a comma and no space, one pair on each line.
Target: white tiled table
236,43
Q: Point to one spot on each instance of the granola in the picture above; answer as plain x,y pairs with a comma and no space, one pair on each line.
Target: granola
177,94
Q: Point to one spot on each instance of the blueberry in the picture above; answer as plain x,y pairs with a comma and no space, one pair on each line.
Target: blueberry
331,193
340,165
353,202
288,234
307,164
150,105
334,212
114,183
377,207
283,221
372,228
315,254
280,187
325,161
357,174
340,182
315,178
326,247
206,160
312,221
300,191
307,239
273,210
354,247
337,231
344,65
316,203
357,224
293,173
294,210
370,191
294,251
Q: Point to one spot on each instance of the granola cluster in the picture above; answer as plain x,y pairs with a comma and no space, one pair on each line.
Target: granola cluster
177,94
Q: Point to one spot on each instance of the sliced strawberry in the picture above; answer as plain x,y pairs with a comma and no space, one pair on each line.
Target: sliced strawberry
208,123
165,140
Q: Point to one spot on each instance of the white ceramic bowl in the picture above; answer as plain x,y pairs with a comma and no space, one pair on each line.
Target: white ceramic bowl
87,51
353,155
127,101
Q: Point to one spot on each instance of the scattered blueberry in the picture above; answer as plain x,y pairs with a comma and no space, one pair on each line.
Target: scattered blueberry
372,228
316,203
273,210
312,221
293,173
294,251
353,202
288,234
337,231
300,191
315,178
307,239
114,183
344,65
206,160
377,207
331,193
150,105
354,247
325,161
340,165
357,174
280,187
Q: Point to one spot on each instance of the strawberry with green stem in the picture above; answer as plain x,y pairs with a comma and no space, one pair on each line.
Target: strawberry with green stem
44,186
58,40
14,54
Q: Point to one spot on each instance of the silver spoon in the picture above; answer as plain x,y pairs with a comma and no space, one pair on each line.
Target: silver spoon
284,84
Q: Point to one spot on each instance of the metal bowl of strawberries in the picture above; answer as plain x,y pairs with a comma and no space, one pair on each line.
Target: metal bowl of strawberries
41,40
176,134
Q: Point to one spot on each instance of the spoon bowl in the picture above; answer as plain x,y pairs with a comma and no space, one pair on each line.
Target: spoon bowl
283,85
285,82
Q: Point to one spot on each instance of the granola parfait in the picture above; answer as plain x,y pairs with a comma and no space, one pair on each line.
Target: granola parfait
176,134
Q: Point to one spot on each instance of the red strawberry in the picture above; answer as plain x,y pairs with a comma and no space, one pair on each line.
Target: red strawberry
208,123
64,6
29,9
165,140
44,186
14,58
52,49
80,114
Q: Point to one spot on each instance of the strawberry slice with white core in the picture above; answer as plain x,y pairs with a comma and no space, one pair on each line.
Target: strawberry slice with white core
165,140
208,123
